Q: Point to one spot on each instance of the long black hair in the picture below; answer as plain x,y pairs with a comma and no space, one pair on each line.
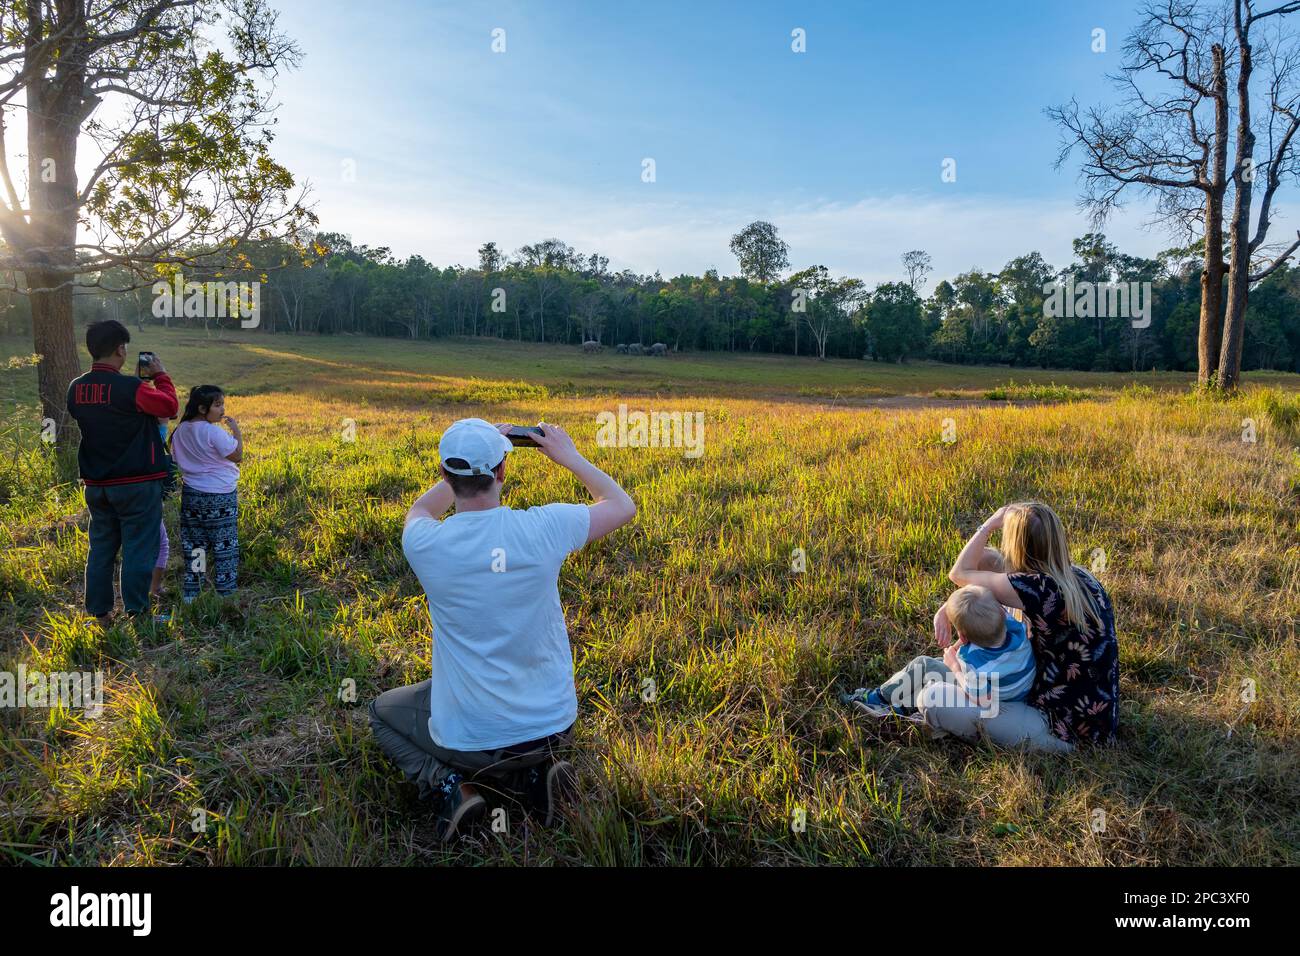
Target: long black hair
197,405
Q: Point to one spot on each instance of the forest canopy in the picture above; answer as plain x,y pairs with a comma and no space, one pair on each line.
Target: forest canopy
550,292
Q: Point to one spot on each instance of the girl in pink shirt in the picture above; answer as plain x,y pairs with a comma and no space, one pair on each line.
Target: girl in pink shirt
208,457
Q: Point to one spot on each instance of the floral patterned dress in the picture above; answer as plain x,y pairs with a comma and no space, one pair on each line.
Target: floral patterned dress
1076,685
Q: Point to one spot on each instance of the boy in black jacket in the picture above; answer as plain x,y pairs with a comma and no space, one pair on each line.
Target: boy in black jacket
122,464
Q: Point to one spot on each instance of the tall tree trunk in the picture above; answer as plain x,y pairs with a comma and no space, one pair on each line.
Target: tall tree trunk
1234,322
1211,324
55,341
51,165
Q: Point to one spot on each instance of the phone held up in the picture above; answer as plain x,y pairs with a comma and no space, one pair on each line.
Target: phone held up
142,365
522,436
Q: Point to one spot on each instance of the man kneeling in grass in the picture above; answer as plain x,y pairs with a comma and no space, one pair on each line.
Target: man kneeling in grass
500,702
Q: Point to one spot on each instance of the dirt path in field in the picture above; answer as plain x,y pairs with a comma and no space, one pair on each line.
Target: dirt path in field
900,402
923,401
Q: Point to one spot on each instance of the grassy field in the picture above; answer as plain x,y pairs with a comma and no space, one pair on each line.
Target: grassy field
433,373
235,710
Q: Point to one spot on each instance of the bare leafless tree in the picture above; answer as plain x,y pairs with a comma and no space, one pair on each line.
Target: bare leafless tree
917,266
1168,137
1280,54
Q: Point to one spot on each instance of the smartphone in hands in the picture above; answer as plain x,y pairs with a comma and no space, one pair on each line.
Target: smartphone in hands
142,365
523,436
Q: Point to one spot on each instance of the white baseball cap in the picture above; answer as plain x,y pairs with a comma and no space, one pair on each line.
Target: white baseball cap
476,442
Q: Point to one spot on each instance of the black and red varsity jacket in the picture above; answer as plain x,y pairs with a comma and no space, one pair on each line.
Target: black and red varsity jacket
118,417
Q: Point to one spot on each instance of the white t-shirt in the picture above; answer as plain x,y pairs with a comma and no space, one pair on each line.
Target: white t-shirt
502,667
200,449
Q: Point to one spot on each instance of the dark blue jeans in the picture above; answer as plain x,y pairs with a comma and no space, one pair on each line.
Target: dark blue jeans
122,518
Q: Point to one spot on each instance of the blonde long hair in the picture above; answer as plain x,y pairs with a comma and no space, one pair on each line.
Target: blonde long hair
1033,540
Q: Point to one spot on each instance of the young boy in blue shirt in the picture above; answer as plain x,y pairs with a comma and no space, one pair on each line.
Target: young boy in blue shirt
991,660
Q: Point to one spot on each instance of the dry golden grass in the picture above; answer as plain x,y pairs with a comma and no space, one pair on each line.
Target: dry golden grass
236,710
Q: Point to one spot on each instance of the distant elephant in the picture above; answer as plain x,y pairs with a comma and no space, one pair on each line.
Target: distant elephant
635,349
659,349
591,346
621,348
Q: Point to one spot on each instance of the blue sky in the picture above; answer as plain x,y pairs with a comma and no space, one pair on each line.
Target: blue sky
841,146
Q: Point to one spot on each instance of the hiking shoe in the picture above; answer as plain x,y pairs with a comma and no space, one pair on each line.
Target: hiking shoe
559,784
872,702
462,805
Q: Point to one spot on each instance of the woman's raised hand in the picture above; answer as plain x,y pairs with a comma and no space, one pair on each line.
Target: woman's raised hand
995,521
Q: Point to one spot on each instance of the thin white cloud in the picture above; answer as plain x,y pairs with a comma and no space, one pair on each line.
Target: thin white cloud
690,234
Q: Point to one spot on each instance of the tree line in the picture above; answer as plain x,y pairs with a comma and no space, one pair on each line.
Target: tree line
550,292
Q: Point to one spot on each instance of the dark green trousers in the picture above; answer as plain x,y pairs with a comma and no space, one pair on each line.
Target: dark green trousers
122,518
400,721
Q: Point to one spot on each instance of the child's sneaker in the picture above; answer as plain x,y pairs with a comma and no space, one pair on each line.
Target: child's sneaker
873,702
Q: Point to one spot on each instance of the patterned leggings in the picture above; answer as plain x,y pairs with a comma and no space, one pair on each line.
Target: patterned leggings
210,540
